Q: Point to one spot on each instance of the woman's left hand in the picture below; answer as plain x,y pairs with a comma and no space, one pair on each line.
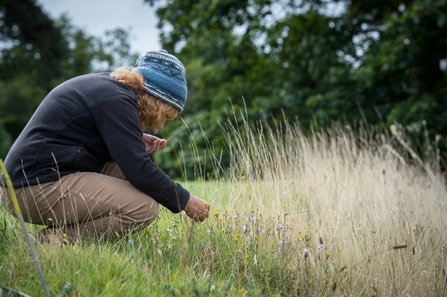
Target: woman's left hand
153,143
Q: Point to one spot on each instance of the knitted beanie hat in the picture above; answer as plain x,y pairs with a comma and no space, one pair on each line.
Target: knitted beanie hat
164,77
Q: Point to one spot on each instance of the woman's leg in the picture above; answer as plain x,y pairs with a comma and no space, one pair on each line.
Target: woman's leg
88,204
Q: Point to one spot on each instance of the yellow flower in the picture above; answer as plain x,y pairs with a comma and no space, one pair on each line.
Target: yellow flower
223,229
243,177
246,255
204,202
236,239
216,213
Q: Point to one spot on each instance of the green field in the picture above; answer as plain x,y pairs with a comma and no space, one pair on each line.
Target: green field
330,214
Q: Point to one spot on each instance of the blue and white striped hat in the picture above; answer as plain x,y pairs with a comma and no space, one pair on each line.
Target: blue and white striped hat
164,77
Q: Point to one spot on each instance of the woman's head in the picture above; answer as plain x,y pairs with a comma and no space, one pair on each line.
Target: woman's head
154,112
159,81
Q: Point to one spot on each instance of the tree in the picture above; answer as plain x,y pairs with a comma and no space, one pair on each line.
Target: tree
37,53
380,61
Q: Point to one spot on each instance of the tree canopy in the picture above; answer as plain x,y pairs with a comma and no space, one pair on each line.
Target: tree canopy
380,62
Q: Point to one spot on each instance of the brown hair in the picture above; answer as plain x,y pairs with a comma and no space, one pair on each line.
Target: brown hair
153,111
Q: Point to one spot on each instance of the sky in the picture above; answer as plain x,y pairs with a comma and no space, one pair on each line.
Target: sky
97,16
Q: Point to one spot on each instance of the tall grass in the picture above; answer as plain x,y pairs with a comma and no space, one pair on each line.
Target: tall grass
341,211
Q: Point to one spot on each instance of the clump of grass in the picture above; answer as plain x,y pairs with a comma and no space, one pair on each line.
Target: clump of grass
334,213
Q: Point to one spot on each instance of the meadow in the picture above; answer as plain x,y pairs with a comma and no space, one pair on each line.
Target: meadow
338,212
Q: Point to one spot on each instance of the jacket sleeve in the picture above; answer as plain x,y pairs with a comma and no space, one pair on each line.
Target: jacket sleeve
118,122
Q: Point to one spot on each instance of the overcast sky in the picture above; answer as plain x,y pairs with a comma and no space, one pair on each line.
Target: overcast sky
97,16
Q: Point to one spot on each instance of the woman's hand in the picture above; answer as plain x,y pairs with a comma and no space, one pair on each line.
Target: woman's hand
197,209
153,143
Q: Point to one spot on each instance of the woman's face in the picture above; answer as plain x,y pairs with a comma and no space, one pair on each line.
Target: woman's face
161,124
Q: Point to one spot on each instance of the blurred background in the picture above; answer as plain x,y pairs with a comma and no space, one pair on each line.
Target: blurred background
358,64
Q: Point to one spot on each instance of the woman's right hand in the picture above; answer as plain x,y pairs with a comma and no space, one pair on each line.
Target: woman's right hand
197,209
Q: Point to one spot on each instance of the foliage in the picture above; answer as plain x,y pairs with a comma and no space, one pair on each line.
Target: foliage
5,141
378,62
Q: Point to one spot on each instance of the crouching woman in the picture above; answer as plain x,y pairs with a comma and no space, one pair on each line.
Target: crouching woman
82,164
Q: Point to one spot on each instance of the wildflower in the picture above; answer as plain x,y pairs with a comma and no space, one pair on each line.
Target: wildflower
306,253
244,228
65,235
216,190
233,227
209,232
236,239
321,245
216,213
281,225
202,245
169,230
223,229
246,217
253,219
204,202
243,177
130,241
248,238
246,255
281,242
235,217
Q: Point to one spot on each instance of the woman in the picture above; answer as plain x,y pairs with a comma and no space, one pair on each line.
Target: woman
82,163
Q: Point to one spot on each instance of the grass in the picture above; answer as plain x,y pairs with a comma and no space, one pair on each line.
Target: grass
335,213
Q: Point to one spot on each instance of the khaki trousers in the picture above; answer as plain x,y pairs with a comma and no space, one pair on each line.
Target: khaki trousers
86,204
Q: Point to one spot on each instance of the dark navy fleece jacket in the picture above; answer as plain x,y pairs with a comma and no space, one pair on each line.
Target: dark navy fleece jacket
82,124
